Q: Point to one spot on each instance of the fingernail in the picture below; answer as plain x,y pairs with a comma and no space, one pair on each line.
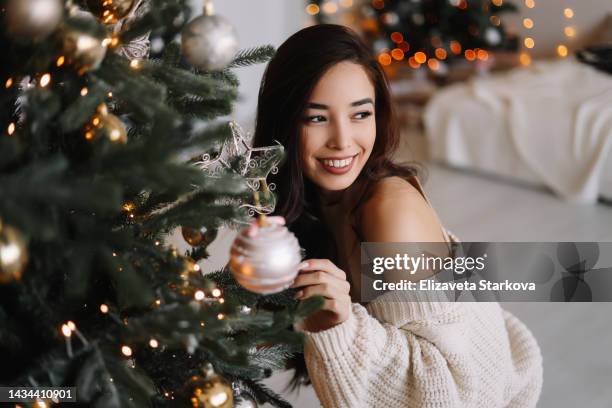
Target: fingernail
298,294
303,265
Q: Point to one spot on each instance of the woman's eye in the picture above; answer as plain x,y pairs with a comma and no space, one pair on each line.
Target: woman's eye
363,115
315,119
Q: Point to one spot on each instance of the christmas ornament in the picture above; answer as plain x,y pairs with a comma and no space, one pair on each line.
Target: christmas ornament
209,391
209,42
253,163
265,261
492,36
110,11
83,49
107,125
34,19
13,253
199,237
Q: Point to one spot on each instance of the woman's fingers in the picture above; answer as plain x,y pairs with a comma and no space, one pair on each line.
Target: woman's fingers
320,277
322,265
324,289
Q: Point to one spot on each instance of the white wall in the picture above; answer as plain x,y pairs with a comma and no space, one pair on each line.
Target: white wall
258,22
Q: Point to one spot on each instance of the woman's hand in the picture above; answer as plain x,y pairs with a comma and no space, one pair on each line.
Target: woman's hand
322,277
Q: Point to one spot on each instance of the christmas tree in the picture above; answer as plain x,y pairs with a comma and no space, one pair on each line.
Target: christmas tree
433,31
113,137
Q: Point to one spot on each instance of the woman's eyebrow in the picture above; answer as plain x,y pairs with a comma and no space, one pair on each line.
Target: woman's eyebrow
314,105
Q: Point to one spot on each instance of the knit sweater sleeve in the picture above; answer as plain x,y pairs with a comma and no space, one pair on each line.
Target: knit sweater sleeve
415,354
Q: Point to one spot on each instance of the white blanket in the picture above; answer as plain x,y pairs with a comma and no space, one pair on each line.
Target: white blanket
558,116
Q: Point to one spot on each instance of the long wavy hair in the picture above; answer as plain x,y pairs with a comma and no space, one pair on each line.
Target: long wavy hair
287,84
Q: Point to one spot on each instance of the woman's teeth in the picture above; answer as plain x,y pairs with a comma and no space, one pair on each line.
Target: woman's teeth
337,163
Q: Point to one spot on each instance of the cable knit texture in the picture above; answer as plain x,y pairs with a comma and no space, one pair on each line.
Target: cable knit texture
402,353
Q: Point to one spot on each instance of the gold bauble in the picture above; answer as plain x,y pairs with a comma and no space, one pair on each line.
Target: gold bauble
110,11
104,124
209,392
13,254
82,49
198,237
33,19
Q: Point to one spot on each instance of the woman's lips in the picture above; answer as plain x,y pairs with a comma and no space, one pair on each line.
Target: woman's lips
337,165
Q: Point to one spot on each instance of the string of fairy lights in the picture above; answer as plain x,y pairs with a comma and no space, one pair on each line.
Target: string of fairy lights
386,57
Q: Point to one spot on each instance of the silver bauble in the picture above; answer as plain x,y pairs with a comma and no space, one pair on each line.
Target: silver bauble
34,19
492,36
209,42
267,262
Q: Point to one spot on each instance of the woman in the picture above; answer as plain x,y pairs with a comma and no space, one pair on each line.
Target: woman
327,101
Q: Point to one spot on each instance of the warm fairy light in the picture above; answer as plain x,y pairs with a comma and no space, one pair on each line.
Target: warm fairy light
312,9
455,47
570,31
482,55
527,23
126,350
330,7
106,42
153,343
529,42
441,53
404,46
89,135
128,206
221,300
84,91
114,42
568,12
495,20
530,3
95,121
378,4
397,54
216,292
41,404
470,55
420,57
196,267
413,64
71,325
525,59
497,3
562,51
110,94
60,61
45,79
202,324
220,316
9,83
397,37
346,3
66,330
11,128
135,64
199,295
433,64
384,59
157,243
114,254
103,308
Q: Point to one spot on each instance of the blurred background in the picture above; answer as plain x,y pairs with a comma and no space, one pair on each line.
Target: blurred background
508,104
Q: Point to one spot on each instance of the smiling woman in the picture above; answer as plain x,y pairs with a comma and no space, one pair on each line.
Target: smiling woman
326,99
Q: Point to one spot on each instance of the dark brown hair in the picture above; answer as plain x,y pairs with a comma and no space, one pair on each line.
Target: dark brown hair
287,84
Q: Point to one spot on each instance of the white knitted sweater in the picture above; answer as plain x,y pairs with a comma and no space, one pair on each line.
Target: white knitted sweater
425,354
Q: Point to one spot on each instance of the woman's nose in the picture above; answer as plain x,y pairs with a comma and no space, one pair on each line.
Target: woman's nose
340,137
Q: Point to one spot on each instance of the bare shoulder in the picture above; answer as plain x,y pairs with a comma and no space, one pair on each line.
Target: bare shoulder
396,211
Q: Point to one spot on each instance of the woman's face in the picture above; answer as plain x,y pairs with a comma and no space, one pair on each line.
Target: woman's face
339,127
